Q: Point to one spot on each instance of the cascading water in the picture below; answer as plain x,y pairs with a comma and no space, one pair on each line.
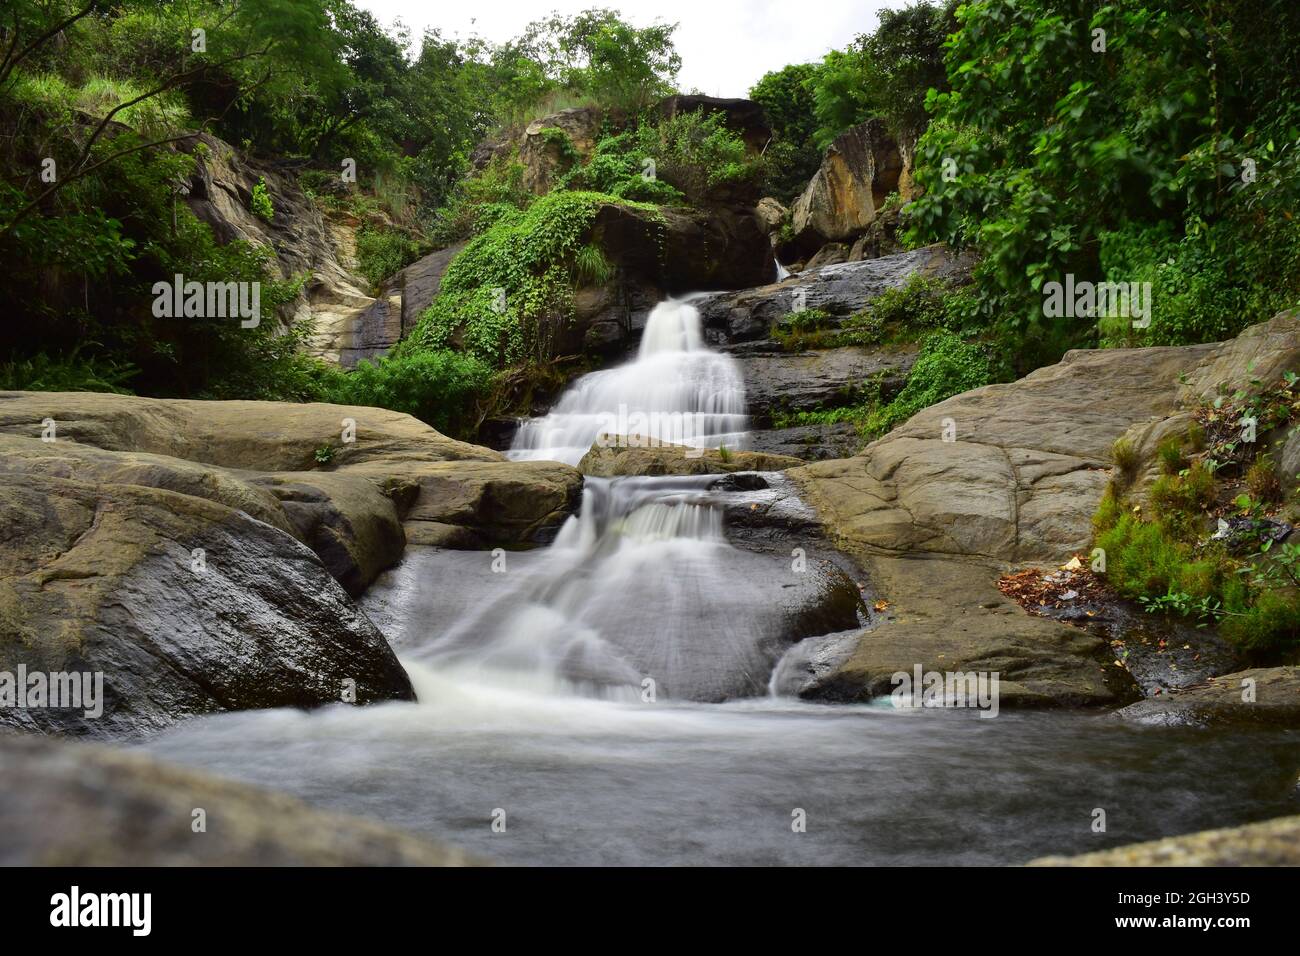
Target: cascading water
577,688
676,390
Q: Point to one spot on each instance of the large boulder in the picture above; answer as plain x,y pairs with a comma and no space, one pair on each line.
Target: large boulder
185,606
861,167
551,145
1002,476
221,579
90,805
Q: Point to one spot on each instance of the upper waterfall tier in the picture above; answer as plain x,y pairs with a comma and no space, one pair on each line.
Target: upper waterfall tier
676,390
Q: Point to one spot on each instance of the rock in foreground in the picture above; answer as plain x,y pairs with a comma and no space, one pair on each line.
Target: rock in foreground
1272,843
83,805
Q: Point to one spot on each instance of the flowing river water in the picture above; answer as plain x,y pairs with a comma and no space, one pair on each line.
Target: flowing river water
617,697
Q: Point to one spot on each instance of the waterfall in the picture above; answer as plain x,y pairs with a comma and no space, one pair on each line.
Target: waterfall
782,273
677,390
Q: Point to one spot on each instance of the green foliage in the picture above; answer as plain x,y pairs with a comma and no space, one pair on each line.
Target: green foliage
591,267
260,204
323,455
593,56
1122,165
793,155
383,252
478,201
443,388
66,373
505,295
946,366
692,156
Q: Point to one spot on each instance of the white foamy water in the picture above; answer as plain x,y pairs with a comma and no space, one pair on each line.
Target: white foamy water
677,390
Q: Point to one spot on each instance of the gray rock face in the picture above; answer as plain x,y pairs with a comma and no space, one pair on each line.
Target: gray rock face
801,381
334,300
89,805
841,290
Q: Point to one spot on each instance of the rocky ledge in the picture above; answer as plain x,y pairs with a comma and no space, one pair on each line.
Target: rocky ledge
199,557
996,478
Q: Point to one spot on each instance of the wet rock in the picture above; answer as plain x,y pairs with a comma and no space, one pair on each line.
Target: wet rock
619,455
805,381
685,250
184,605
1271,843
740,482
808,442
88,805
1265,696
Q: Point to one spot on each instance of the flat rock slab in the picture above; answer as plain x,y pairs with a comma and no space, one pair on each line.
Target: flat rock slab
90,805
947,615
621,456
1266,696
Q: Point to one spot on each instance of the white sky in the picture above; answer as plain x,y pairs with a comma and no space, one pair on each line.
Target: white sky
725,45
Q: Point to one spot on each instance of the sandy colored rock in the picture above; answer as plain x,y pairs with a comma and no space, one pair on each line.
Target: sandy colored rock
620,455
1271,843
860,169
1262,696
90,805
937,521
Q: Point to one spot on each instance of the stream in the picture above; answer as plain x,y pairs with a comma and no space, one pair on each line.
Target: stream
612,698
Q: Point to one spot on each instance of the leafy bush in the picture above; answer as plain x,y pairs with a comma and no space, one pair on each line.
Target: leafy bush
504,296
443,388
260,203
946,366
382,253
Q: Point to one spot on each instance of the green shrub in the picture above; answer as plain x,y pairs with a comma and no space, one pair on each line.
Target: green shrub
1125,457
67,373
1170,453
382,253
946,366
260,203
1191,492
505,295
443,388
1271,627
